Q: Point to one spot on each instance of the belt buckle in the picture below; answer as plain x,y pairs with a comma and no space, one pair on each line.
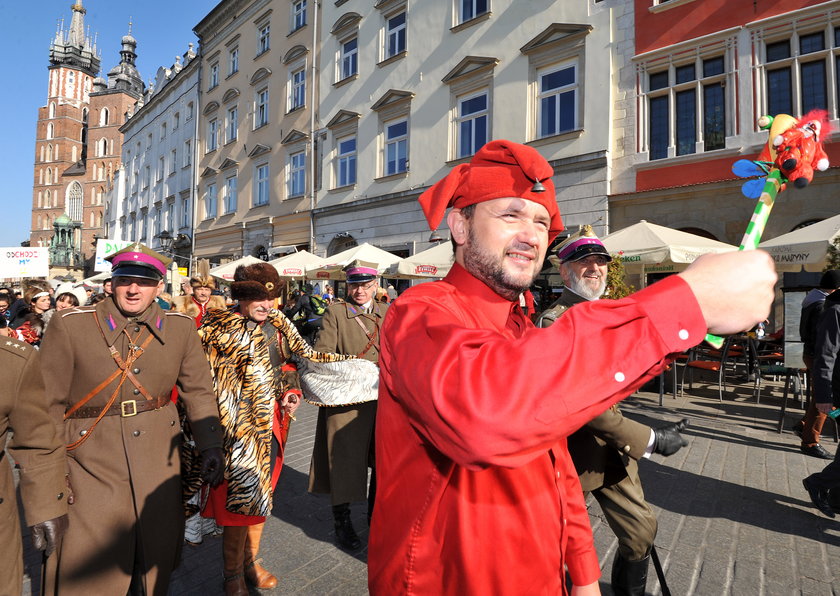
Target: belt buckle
126,406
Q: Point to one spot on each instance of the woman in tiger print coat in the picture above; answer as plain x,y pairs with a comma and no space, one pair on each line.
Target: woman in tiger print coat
250,350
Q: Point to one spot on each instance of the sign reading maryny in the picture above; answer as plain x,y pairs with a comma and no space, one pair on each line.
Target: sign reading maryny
105,247
24,262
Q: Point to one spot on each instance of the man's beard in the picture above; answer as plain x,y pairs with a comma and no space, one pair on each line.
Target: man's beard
488,269
581,288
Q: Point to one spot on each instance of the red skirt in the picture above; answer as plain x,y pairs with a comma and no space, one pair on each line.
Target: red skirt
217,497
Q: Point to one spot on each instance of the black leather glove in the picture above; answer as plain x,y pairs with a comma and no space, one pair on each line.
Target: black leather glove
213,466
668,440
47,534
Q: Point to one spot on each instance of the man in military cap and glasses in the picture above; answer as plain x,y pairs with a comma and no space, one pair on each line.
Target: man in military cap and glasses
109,370
606,449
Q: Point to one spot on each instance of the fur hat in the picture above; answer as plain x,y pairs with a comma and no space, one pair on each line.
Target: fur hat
499,169
78,292
202,277
259,281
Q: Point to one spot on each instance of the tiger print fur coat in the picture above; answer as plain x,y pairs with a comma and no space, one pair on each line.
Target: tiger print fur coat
246,387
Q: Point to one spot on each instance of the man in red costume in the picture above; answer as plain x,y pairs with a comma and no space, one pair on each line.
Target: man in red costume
477,492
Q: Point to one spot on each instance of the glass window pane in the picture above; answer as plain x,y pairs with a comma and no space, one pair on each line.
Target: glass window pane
548,109
658,127
778,51
686,106
714,118
685,73
813,89
557,79
466,139
811,43
779,92
473,105
567,111
658,80
713,66
397,130
480,132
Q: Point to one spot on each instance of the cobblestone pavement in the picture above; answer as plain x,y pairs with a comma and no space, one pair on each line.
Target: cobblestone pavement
733,516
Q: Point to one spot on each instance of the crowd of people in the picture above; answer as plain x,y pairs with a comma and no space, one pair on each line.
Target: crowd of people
472,434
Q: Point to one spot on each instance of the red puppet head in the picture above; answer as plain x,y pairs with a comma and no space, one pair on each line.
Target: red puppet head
799,149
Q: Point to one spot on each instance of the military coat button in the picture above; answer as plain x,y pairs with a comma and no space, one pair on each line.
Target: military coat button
136,371
136,433
60,496
137,329
136,392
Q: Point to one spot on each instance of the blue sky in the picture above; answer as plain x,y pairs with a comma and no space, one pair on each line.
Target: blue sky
162,29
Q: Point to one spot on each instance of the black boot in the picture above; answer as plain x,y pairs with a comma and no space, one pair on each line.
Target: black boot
629,578
345,535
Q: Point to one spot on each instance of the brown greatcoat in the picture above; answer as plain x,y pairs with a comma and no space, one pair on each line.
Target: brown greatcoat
35,447
343,448
126,477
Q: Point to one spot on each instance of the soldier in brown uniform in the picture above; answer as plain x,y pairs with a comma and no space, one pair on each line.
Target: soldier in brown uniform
605,450
109,370
343,449
40,454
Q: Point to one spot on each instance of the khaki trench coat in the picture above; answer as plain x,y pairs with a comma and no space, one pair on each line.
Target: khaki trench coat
126,477
35,447
343,448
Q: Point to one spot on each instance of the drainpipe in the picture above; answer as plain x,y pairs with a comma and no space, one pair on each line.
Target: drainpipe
312,141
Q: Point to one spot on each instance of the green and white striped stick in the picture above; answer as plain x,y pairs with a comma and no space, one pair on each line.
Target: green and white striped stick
758,221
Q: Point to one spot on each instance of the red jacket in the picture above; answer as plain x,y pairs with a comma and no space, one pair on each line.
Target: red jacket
476,490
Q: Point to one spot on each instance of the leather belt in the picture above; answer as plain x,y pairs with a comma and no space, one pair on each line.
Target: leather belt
125,409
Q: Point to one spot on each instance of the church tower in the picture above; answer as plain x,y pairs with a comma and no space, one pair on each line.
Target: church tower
78,144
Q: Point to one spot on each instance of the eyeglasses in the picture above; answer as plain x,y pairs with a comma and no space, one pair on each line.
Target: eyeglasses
362,286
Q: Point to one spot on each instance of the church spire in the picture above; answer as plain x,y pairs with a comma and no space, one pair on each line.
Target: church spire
72,47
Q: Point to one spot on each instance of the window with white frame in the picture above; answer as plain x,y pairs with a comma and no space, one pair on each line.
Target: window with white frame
230,194
472,123
396,147
797,70
232,124
173,161
557,99
686,105
190,111
212,135
297,89
261,188
233,61
298,14
297,174
214,76
169,221
187,153
186,215
261,108
263,39
161,170
163,130
395,35
345,166
469,9
348,60
210,200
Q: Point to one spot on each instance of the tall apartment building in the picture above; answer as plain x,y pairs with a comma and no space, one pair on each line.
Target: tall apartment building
155,191
254,139
411,89
77,149
702,75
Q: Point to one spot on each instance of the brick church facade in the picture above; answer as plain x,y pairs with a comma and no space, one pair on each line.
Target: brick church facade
78,145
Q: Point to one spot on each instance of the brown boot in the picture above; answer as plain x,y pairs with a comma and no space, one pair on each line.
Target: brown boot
256,574
233,551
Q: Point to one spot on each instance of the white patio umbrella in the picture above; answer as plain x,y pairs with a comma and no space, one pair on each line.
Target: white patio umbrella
645,247
226,271
294,265
431,263
806,247
364,252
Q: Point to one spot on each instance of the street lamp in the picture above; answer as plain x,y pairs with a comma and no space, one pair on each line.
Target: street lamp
165,239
